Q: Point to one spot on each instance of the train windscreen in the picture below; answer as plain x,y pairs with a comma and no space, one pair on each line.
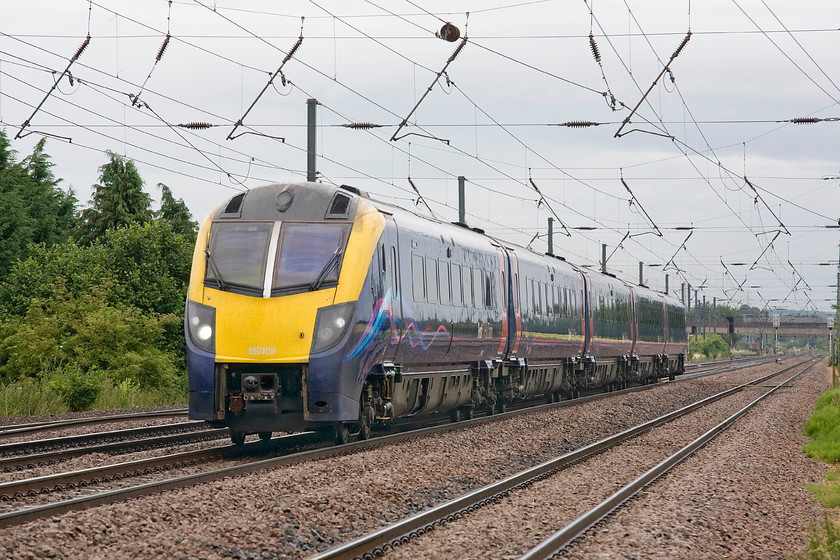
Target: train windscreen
309,254
236,254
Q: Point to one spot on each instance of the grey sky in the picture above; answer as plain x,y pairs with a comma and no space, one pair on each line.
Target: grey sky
527,67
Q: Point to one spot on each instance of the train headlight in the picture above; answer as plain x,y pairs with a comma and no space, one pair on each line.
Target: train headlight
201,323
330,325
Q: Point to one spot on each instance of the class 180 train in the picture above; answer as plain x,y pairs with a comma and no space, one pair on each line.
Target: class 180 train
315,307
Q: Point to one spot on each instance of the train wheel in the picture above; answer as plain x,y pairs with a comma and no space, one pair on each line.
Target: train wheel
341,433
365,422
467,413
455,415
501,406
576,393
265,436
238,438
550,398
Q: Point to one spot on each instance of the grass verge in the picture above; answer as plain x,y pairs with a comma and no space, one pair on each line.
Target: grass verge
823,429
30,397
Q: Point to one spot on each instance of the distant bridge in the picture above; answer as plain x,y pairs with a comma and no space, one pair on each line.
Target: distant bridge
760,332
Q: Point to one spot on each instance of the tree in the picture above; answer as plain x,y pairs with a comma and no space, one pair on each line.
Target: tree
35,209
140,269
149,265
63,334
118,200
52,209
176,213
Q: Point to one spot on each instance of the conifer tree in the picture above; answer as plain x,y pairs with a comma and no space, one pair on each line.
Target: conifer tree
118,200
176,213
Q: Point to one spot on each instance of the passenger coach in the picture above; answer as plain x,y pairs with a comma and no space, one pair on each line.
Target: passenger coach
314,307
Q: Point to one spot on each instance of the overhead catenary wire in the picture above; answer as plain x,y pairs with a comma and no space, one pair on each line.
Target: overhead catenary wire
186,119
449,61
136,98
279,71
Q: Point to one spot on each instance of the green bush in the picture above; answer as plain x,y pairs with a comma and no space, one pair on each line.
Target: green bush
712,346
121,342
78,389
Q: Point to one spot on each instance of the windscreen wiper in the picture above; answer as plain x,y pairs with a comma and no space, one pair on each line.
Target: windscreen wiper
328,266
212,262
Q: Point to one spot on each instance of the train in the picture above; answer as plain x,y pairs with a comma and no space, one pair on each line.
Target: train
316,307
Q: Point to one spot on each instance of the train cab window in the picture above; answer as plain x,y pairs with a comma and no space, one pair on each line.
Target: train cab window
309,254
382,260
431,280
443,275
418,278
456,285
236,254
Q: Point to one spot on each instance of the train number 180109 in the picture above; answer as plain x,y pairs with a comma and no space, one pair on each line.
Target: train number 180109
261,350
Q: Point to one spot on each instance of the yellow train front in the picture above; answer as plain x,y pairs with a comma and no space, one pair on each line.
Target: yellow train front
277,276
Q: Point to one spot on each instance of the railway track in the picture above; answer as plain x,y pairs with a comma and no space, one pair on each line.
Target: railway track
411,529
61,481
13,430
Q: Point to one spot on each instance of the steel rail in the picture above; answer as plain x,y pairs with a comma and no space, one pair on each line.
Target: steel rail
20,447
562,538
16,429
82,477
378,542
57,508
18,462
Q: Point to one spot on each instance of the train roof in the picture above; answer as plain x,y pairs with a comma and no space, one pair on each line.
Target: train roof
261,203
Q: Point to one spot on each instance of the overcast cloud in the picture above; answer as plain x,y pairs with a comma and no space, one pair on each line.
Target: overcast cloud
721,114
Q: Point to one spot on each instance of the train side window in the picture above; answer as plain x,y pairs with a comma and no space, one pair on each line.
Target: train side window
549,299
540,294
478,291
443,274
382,258
488,290
516,293
504,292
527,292
394,271
431,279
531,296
418,278
467,285
456,285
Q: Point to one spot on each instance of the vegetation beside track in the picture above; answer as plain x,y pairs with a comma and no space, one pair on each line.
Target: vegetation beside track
91,300
823,429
